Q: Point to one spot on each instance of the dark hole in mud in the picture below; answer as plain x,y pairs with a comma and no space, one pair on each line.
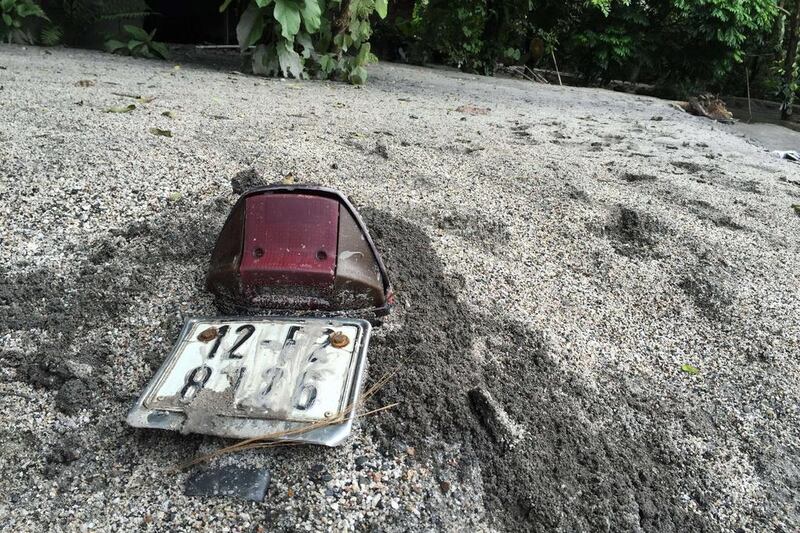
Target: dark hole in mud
564,474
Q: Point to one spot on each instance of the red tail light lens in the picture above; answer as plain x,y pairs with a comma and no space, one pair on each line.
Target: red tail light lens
289,239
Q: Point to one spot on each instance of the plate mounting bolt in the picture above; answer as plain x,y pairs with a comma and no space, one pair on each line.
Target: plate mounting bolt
207,334
339,339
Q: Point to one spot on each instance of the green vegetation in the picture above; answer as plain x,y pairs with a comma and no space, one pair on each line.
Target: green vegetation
677,47
309,38
689,44
13,16
137,43
88,22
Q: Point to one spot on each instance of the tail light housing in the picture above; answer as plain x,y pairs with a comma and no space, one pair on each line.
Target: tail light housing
297,249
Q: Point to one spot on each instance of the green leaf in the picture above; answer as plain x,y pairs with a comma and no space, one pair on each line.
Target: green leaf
160,49
7,19
250,27
6,4
690,369
363,55
288,15
51,35
289,60
312,15
327,64
121,109
304,40
224,6
263,3
265,60
381,8
160,133
358,76
133,44
137,33
30,10
141,51
113,45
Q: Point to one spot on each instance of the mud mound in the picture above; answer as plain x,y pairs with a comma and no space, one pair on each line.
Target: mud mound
567,475
69,314
633,233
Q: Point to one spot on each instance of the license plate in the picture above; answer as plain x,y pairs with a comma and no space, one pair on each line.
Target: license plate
250,377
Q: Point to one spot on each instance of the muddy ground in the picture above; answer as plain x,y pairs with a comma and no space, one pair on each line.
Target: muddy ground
559,255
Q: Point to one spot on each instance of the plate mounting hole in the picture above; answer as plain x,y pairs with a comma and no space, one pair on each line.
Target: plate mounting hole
322,255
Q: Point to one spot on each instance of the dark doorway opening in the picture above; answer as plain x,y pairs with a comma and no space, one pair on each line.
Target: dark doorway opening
192,21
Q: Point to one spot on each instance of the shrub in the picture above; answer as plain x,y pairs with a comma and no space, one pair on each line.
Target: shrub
668,42
137,43
309,38
14,14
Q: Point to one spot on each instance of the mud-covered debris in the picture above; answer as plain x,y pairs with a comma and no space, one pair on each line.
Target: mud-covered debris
633,232
319,474
382,149
470,109
207,334
72,397
158,132
494,418
64,452
632,177
121,109
708,106
229,482
246,179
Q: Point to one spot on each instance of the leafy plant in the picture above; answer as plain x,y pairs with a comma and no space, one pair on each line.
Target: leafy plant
86,22
308,38
670,43
13,17
51,35
139,43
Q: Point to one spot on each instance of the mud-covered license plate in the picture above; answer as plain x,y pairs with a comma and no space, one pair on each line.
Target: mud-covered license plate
249,377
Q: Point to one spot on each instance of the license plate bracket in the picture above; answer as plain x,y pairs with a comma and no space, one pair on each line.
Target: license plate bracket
246,377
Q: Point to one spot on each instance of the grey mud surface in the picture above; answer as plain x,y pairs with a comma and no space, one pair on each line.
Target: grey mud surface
556,260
